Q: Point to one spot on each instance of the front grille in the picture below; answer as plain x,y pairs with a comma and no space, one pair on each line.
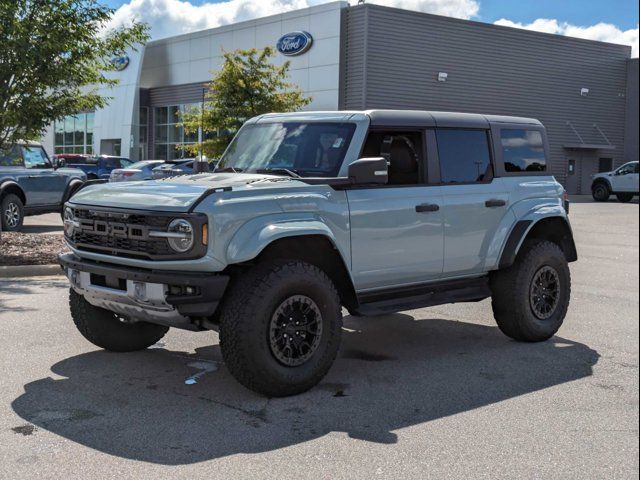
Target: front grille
141,246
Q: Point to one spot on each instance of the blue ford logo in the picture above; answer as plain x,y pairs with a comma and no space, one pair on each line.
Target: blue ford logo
120,63
294,43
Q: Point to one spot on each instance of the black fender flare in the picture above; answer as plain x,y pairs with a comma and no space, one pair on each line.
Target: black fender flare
598,180
554,229
15,188
73,186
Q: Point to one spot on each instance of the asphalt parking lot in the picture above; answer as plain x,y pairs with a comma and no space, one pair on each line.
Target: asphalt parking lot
431,393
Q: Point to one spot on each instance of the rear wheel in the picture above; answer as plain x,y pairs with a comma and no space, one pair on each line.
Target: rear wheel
624,197
12,213
530,299
280,327
107,330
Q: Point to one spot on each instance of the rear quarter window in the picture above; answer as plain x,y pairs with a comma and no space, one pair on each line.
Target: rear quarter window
523,150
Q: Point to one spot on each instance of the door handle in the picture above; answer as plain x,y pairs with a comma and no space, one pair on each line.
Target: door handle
494,203
427,207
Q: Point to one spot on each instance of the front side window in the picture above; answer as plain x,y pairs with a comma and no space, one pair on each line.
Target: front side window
522,150
464,155
307,149
34,157
403,151
626,169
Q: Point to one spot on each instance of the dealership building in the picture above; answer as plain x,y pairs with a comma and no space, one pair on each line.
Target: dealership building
373,57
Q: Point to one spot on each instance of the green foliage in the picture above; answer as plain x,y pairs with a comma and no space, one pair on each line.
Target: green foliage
247,85
54,55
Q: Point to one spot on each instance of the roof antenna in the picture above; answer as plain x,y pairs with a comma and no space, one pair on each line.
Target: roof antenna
360,2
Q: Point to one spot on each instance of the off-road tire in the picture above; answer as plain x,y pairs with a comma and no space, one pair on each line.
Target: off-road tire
246,317
511,289
600,192
11,202
624,197
106,330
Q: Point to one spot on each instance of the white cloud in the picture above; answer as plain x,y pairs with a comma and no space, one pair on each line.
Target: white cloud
173,17
604,32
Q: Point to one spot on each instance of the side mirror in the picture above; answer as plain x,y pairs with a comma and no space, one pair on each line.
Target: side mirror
366,171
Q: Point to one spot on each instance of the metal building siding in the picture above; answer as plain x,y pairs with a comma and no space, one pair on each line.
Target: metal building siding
176,94
353,58
631,130
490,69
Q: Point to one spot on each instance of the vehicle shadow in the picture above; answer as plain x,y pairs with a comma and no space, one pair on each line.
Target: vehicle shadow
392,372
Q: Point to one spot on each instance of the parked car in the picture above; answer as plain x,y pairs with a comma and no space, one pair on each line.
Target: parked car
623,182
375,211
172,168
30,184
142,170
185,166
95,167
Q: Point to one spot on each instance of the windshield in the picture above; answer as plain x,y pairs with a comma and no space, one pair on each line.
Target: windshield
306,149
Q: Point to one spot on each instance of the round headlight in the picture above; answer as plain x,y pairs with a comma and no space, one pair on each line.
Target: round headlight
182,241
68,221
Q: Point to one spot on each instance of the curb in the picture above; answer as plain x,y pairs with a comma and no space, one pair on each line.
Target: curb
30,271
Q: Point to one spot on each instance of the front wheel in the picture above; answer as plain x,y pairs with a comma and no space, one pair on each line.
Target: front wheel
530,299
107,330
600,192
280,327
624,197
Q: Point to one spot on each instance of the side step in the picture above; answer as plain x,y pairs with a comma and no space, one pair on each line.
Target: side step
420,296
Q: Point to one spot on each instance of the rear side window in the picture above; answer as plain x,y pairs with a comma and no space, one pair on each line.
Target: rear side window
464,155
10,157
522,150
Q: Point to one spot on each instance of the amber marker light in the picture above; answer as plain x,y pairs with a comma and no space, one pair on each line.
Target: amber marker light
205,234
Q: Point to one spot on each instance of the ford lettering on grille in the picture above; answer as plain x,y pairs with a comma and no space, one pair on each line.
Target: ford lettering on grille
115,229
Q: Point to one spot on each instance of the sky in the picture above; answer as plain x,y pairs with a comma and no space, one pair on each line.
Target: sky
606,20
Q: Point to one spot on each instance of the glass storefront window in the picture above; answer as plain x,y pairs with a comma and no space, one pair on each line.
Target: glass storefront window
74,134
169,137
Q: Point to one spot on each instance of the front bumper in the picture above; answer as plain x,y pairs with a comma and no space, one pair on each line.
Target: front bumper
183,300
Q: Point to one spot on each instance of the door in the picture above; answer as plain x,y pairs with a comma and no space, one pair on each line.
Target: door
474,202
42,184
580,168
396,229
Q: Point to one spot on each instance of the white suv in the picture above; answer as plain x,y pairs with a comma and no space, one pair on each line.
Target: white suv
622,182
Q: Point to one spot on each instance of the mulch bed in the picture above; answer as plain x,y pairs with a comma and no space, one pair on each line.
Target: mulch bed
30,248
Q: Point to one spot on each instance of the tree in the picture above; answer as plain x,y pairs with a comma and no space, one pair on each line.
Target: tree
247,85
54,55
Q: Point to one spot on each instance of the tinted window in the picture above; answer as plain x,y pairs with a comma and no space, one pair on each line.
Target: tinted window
403,150
523,151
10,157
626,169
464,155
34,157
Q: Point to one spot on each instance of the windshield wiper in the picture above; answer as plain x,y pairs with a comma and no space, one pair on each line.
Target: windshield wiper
228,169
286,171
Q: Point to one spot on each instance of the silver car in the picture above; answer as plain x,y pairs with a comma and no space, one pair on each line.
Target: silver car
142,170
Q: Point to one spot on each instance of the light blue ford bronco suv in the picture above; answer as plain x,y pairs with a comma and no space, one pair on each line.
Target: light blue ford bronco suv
306,213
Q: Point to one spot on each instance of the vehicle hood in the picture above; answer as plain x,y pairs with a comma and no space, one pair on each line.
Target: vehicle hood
176,194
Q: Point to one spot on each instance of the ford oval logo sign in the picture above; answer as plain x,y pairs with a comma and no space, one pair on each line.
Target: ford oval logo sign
294,43
120,63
